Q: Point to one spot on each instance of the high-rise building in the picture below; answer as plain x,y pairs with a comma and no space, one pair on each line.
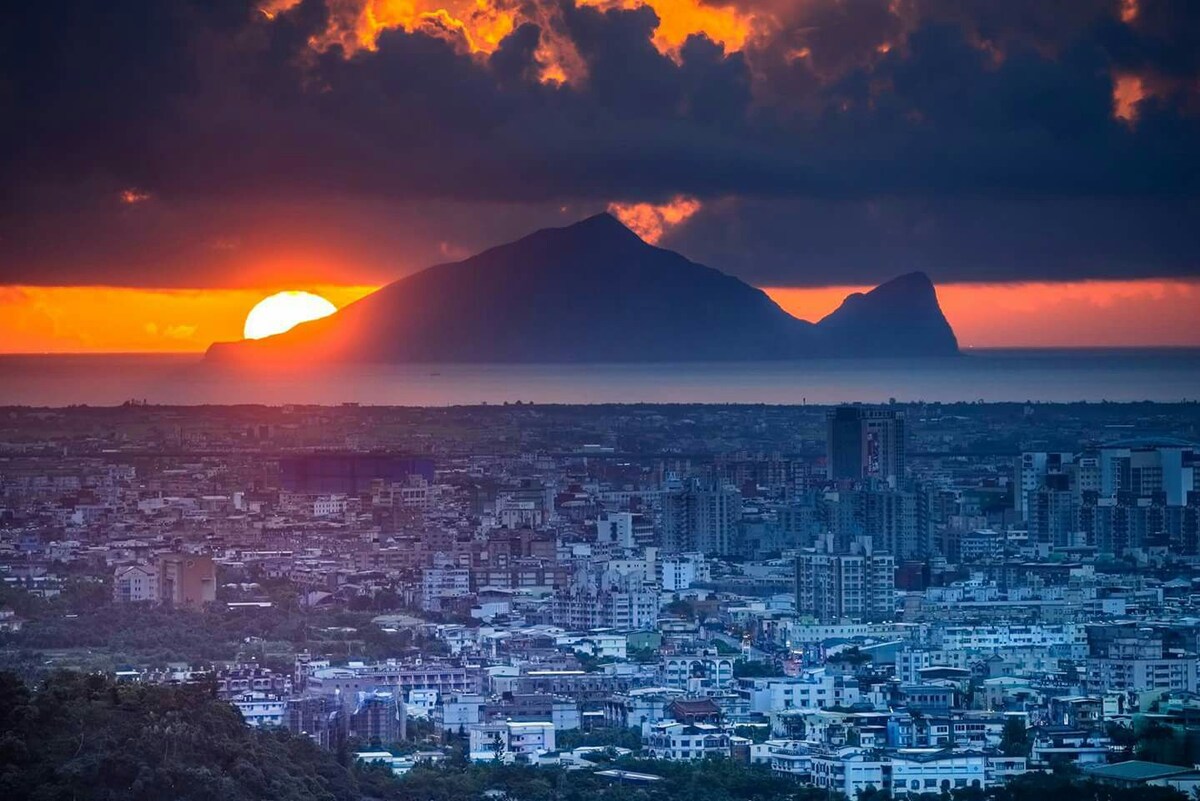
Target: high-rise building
703,519
890,518
625,530
1031,471
716,511
1149,468
1184,524
855,585
676,522
864,442
1123,496
800,522
1127,522
680,572
1053,511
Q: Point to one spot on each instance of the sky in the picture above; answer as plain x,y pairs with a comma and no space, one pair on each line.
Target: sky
166,163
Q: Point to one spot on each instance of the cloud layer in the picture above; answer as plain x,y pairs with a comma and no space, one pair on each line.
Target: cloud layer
181,143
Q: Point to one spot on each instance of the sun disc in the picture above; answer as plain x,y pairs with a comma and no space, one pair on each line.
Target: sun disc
283,311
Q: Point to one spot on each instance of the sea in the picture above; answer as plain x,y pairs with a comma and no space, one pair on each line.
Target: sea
991,375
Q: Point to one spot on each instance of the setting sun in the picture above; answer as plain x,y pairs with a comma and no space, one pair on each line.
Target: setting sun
283,311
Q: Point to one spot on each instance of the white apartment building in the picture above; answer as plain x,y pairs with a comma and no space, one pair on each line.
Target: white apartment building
446,679
797,634
682,571
814,690
793,757
1106,675
1001,769
136,583
911,771
682,671
850,771
911,661
615,528
260,710
600,644
329,506
397,765
637,609
510,741
441,584
421,704
683,741
462,711
919,771
1000,637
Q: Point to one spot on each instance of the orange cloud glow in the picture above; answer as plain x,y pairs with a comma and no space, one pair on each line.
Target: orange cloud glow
133,196
679,19
650,221
478,26
272,8
1128,91
87,319
473,26
1147,312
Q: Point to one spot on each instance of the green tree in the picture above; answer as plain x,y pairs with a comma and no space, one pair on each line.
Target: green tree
1014,740
756,734
83,737
745,669
1157,742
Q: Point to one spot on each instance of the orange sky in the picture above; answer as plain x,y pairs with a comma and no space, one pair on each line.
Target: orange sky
1093,313
1043,314
121,320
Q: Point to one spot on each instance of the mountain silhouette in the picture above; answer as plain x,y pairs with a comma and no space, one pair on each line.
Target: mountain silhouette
899,318
595,292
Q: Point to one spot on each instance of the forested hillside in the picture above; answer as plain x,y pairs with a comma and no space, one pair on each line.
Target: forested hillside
81,737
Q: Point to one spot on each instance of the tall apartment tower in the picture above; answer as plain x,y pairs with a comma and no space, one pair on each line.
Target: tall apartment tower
1031,472
857,585
702,518
715,515
864,442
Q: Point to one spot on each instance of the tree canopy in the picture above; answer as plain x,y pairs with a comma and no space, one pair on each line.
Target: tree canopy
81,736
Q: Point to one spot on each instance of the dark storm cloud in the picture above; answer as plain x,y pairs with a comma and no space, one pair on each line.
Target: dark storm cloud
808,241
847,142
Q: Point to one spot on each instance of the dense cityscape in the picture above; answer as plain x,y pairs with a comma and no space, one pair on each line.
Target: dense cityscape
900,599
600,400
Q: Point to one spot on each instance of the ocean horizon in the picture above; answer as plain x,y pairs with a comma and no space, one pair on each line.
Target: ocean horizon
1059,375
